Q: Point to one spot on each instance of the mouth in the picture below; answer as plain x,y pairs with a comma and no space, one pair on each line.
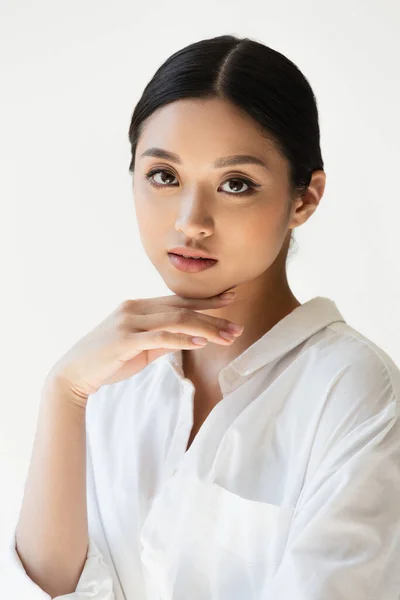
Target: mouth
193,257
187,252
191,264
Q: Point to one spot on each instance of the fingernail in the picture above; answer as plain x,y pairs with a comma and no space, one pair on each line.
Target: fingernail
200,341
227,295
234,327
226,336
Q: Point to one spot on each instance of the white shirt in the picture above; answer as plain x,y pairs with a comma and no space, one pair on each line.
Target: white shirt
289,491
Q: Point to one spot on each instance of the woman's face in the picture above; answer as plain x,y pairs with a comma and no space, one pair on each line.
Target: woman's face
241,214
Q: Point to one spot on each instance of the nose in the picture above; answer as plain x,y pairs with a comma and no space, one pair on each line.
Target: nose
194,220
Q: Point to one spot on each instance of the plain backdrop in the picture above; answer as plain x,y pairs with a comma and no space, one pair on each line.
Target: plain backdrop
71,74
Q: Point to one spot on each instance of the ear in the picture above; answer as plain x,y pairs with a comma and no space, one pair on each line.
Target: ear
305,204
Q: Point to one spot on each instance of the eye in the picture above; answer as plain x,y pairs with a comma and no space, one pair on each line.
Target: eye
150,175
239,181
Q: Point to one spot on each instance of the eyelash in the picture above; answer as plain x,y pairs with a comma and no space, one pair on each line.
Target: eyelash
252,186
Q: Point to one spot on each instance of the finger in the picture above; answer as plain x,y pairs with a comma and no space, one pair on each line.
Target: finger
186,321
149,305
190,325
150,340
157,352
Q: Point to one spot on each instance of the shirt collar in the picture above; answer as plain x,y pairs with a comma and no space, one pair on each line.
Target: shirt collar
296,327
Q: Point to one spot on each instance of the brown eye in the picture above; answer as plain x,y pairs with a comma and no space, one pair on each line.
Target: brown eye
239,181
164,175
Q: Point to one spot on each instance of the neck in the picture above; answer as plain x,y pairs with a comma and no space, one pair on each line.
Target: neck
257,312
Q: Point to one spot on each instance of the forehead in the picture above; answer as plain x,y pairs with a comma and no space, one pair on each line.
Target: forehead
212,126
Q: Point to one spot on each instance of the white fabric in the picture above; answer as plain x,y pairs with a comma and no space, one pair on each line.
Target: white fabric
289,491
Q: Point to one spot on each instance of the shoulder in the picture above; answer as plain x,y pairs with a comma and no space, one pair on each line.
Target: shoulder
354,390
358,388
363,365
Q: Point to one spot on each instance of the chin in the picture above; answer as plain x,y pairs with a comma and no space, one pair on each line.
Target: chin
179,283
190,291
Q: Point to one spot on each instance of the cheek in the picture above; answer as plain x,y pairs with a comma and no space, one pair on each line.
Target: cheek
260,232
149,216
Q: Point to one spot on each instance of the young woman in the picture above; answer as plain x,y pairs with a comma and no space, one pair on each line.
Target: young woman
177,458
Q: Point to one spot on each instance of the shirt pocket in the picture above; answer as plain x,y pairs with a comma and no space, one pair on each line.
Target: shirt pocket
253,531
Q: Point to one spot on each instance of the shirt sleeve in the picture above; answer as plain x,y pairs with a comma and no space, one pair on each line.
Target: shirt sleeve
95,581
344,538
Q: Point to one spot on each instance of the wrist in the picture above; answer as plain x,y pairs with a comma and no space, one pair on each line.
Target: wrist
56,392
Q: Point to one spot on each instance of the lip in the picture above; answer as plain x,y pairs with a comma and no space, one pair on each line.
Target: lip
190,265
181,250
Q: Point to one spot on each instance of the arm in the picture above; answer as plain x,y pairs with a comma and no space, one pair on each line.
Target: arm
51,554
52,531
344,541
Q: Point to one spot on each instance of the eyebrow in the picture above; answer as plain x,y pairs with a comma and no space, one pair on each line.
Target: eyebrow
224,161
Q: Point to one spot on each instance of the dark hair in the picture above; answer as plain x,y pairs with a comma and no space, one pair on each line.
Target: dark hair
261,81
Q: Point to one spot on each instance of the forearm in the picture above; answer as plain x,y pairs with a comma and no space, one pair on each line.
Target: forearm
52,531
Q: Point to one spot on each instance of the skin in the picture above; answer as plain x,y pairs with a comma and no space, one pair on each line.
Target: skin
249,234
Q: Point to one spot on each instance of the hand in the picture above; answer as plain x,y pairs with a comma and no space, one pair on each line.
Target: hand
136,333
